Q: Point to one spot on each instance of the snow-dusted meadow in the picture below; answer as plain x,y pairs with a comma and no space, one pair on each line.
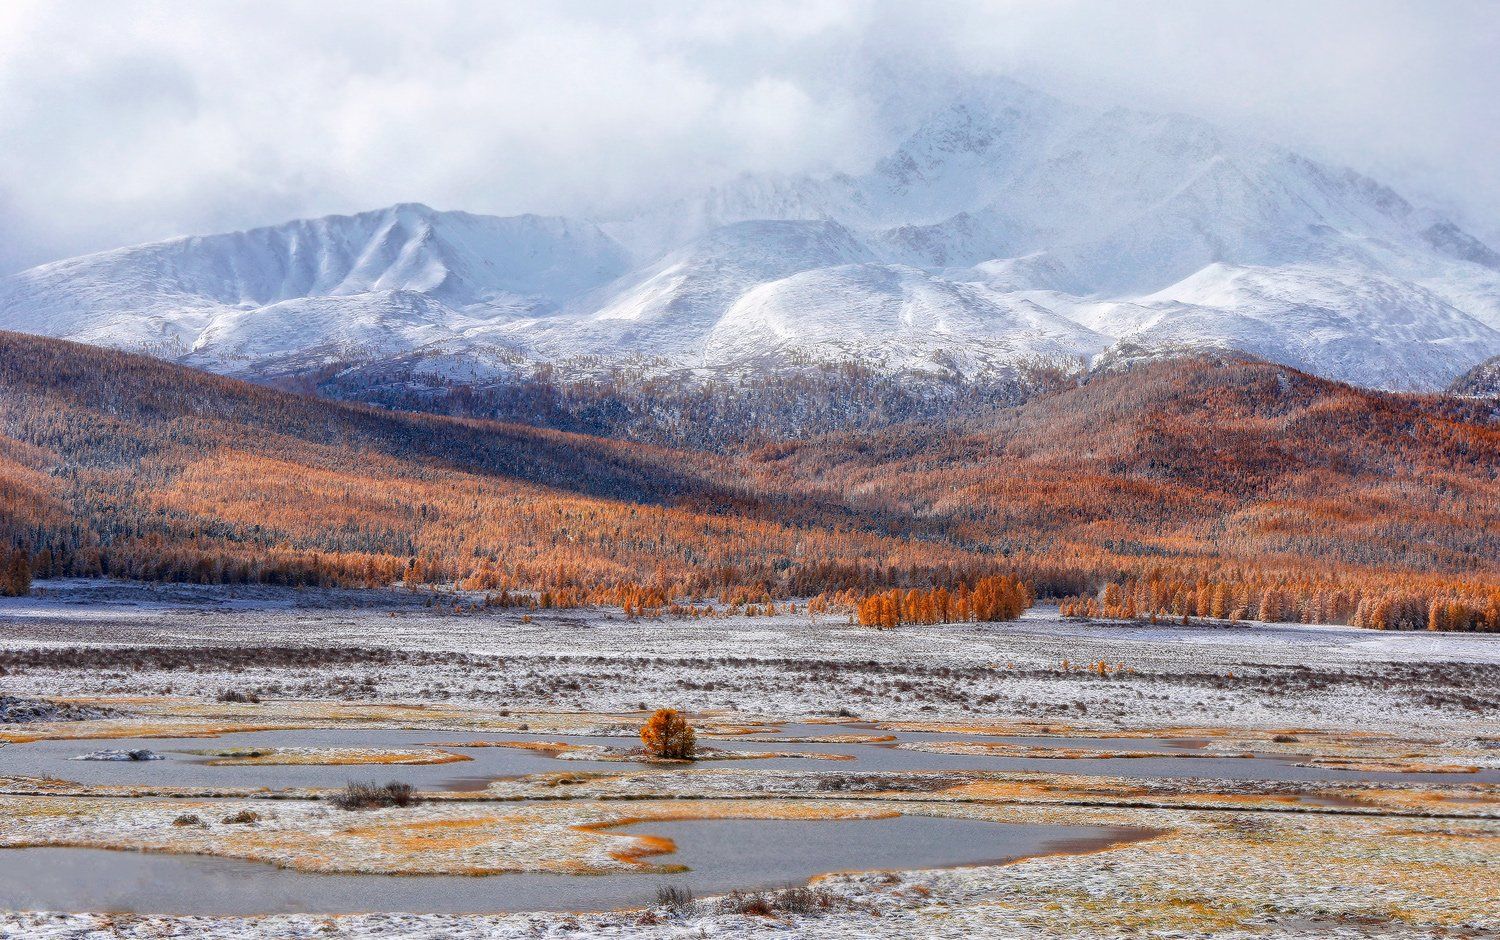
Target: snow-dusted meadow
787,666
1339,856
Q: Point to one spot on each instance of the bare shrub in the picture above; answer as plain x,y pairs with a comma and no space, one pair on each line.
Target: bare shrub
244,817
879,783
794,900
803,900
372,796
188,819
754,904
677,898
234,695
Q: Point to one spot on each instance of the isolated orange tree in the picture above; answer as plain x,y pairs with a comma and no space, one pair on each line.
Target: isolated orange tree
667,734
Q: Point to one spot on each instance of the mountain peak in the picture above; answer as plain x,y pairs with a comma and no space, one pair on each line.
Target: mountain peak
1002,223
413,208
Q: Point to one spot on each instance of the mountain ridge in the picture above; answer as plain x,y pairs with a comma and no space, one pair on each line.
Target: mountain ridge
1004,227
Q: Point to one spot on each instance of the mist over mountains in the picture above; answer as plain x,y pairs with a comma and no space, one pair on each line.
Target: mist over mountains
1008,228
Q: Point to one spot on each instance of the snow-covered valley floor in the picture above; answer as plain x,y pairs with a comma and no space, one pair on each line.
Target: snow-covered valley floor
1362,856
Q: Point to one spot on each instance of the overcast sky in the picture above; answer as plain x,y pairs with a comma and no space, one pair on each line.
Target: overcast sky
124,122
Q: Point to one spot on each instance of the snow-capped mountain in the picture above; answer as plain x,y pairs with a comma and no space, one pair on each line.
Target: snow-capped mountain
361,286
1123,201
668,308
1003,226
1342,322
895,317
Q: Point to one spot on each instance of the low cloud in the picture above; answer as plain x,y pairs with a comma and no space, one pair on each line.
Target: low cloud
123,122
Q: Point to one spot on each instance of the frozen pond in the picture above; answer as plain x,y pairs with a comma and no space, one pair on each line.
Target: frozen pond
722,855
1177,759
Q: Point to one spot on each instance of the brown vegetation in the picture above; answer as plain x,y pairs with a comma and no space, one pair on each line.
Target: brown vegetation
1281,495
792,900
1190,486
991,598
1162,597
666,734
128,467
372,796
15,573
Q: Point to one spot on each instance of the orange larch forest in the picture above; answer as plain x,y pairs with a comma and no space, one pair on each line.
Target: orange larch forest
1207,487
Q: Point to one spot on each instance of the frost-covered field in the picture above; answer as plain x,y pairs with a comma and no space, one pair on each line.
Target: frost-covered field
1228,859
786,666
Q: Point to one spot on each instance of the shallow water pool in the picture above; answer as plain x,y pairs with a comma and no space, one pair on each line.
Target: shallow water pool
722,855
1169,758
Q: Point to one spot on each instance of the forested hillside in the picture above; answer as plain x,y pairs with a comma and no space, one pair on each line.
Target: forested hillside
1284,495
123,465
1482,381
805,399
1200,487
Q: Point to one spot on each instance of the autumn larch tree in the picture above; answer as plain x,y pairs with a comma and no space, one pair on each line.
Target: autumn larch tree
667,734
15,574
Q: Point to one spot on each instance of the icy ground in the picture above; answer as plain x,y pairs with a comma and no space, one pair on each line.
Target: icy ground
1245,862
112,639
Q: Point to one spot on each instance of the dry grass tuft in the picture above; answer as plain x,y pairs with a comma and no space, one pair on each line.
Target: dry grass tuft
797,900
675,898
373,796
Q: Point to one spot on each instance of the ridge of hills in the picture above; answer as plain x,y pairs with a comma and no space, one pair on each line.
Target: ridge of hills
1195,471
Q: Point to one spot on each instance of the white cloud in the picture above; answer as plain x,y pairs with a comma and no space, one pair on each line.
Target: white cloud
122,122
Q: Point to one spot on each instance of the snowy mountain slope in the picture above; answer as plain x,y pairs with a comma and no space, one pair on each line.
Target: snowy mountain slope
1348,324
327,329
1002,226
897,316
336,281
1355,326
668,308
1133,201
1031,194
